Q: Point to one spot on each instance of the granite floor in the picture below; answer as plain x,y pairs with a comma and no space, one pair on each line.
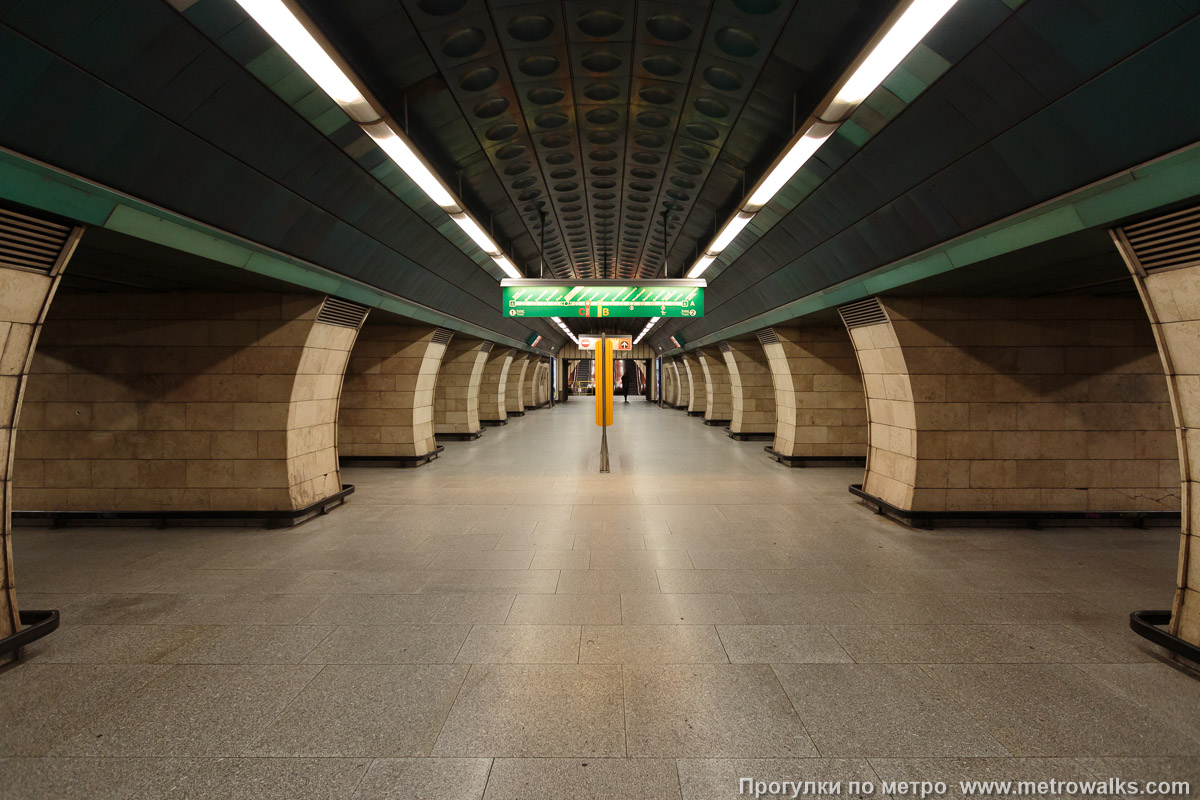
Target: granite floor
508,623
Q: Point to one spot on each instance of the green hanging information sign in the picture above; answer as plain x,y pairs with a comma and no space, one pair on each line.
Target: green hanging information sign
525,297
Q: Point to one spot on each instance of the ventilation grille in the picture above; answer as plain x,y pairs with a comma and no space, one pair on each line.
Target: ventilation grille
724,347
31,243
1167,242
862,313
442,336
342,313
767,336
486,347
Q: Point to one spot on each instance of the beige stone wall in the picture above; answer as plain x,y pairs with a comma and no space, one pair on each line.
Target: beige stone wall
537,383
387,402
820,409
752,405
493,384
1172,299
682,386
717,392
514,387
670,384
1017,404
24,298
697,389
182,402
456,396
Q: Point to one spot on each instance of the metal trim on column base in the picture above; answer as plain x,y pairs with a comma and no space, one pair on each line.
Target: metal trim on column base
460,437
716,423
390,461
695,413
40,624
928,520
751,436
493,423
516,413
288,518
815,461
1145,624
539,405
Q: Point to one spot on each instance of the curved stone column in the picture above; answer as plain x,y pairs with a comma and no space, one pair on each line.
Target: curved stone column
752,405
697,388
493,384
456,395
820,409
669,384
514,387
1014,404
529,388
387,402
682,385
718,408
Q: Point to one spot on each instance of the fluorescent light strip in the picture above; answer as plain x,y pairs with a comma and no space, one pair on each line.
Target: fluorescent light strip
898,42
282,25
653,321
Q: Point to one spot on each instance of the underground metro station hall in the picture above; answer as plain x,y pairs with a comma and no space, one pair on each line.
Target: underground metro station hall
599,399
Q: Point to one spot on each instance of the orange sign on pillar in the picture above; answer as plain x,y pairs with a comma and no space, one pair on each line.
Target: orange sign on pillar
604,382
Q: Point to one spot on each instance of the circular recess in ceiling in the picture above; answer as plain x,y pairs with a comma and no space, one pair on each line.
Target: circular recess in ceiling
550,119
572,217
669,27
675,194
757,6
491,107
603,196
662,65
643,173
531,194
641,186
523,183
558,159
604,183
603,215
695,151
517,169
702,130
571,208
646,158
570,197
635,226
602,137
566,186
573,226
538,66
640,198
600,22
602,116
603,172
601,91
737,42
635,218
688,168
683,183
605,206
653,119
530,27
562,174
639,209
658,95
724,79
673,207
440,8
545,95
510,151
534,206
556,140
711,107
602,155
649,140
478,79
463,42
600,61
500,132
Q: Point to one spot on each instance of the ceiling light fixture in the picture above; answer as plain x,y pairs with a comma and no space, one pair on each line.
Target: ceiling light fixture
890,48
291,31
653,321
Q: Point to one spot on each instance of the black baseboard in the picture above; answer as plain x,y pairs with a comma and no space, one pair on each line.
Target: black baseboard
717,423
515,413
695,413
269,519
1030,519
1146,624
459,437
539,405
816,461
493,423
40,623
751,437
391,461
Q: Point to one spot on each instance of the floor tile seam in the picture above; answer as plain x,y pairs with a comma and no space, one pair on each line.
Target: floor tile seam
724,649
966,712
796,711
258,732
433,746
